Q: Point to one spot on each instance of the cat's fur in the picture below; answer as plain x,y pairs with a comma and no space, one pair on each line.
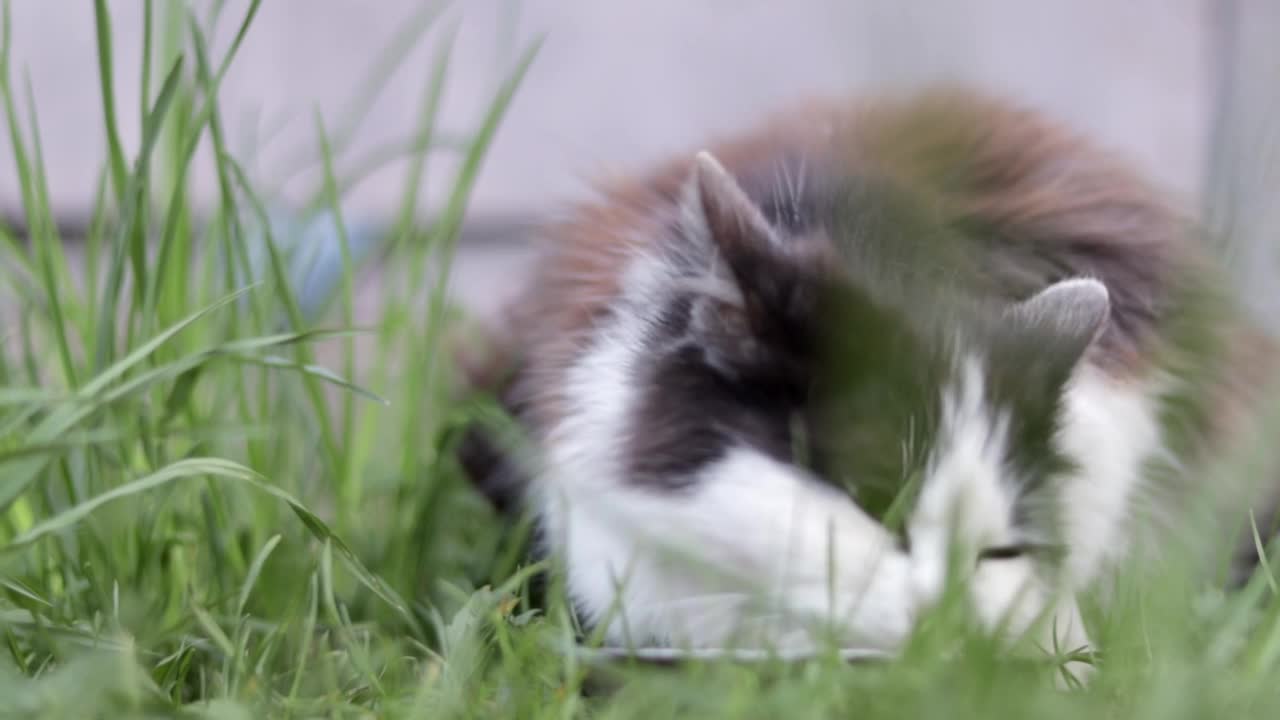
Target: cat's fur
729,365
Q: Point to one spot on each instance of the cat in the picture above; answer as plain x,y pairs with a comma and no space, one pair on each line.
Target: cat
730,368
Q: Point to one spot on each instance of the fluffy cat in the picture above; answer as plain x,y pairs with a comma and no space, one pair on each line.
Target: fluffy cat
731,366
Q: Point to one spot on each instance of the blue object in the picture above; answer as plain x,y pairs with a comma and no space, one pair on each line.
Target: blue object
311,247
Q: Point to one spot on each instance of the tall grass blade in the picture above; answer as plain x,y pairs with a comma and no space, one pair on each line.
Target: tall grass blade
106,80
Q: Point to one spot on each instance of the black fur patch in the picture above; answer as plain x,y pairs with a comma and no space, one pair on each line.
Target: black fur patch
675,318
692,413
492,463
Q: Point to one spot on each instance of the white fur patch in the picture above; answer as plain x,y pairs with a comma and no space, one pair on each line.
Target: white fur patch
964,498
583,451
756,552
1111,430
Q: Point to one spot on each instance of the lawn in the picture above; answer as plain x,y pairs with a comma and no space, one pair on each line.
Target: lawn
220,497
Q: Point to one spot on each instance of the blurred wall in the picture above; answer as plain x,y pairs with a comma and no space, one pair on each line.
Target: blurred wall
620,84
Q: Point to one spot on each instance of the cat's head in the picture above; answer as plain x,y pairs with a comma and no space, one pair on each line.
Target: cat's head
743,330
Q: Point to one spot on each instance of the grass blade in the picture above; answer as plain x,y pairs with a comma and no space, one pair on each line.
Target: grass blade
131,237
106,80
348,490
255,569
315,371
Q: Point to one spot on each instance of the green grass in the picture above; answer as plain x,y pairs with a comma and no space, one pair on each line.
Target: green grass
199,519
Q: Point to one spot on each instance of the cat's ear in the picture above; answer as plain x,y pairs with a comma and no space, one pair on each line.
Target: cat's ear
1048,334
1073,311
716,207
719,217
755,293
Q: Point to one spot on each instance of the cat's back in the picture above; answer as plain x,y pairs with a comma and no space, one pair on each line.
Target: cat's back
935,187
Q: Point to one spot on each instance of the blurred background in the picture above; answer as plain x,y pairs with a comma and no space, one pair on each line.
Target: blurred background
616,86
